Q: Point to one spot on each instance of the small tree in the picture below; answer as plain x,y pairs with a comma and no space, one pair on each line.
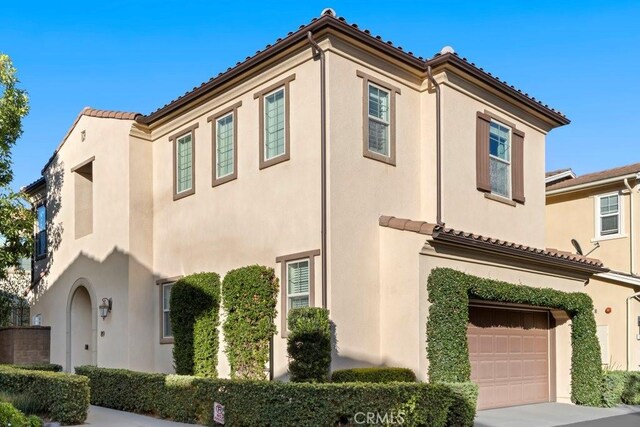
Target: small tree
14,308
249,297
195,304
309,344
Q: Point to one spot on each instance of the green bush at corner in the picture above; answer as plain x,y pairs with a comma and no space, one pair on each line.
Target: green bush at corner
10,416
51,367
309,344
195,303
64,397
620,387
249,299
263,403
373,375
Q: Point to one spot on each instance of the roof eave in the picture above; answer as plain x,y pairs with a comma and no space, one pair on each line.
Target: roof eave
34,186
592,184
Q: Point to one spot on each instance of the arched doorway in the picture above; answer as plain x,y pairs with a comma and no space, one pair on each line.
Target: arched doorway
81,326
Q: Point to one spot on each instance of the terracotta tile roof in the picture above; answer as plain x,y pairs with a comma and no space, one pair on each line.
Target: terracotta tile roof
451,235
597,176
327,20
107,114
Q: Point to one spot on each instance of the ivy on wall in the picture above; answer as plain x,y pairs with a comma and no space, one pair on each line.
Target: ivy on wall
249,296
447,349
195,303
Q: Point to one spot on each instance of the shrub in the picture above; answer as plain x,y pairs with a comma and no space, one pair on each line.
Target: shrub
449,292
51,367
24,403
195,303
262,403
10,416
613,385
309,344
631,393
373,375
65,397
249,299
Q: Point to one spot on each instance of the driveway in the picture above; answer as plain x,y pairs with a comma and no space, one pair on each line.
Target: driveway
559,414
103,417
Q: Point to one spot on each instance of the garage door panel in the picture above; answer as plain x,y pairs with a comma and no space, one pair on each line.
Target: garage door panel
508,350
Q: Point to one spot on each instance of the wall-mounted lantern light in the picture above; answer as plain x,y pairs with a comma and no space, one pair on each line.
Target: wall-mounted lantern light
105,307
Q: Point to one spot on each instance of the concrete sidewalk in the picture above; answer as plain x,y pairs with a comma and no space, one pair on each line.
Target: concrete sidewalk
550,415
103,417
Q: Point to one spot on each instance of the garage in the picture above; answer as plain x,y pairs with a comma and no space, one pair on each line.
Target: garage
509,355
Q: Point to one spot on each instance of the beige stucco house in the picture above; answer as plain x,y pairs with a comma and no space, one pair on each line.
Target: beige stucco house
599,211
332,155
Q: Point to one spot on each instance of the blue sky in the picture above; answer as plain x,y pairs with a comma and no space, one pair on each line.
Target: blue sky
581,57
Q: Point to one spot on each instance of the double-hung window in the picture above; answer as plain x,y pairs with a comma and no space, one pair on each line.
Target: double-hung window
608,215
379,134
225,144
500,159
166,334
41,231
184,154
274,123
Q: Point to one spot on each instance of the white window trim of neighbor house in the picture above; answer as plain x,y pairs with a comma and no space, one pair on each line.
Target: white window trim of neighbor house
597,218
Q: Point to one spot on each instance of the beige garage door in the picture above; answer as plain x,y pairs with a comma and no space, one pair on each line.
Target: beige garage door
509,355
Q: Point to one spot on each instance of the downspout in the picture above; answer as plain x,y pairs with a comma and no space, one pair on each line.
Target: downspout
323,165
438,150
632,249
634,296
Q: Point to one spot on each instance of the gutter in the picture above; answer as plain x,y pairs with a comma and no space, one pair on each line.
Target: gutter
589,184
438,150
323,163
632,246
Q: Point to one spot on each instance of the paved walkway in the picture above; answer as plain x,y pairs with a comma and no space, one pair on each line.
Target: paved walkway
558,414
103,417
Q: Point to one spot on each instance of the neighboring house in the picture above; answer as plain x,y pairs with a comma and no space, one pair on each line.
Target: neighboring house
600,212
307,163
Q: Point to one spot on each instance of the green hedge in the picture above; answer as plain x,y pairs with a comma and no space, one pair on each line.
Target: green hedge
195,303
10,416
249,297
262,403
373,375
620,387
65,396
309,344
447,350
50,367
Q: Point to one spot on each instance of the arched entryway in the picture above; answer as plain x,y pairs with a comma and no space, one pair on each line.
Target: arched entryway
81,326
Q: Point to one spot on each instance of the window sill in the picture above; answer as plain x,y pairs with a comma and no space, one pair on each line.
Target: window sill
224,179
389,160
40,257
500,199
187,193
166,340
274,161
610,237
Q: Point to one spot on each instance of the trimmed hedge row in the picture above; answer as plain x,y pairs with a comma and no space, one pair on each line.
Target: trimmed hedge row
50,367
262,403
195,303
249,297
309,344
447,350
10,416
620,387
65,396
373,375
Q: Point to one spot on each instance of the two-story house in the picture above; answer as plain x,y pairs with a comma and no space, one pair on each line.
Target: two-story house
336,158
597,214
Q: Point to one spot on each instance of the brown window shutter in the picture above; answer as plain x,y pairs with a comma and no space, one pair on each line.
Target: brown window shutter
517,166
483,179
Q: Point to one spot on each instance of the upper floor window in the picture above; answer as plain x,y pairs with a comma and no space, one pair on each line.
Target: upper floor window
184,155
379,106
499,159
41,231
274,123
225,145
608,223
83,188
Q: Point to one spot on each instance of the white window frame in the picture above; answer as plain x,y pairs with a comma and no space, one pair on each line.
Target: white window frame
300,294
597,218
233,136
284,123
509,163
378,120
164,310
190,135
39,230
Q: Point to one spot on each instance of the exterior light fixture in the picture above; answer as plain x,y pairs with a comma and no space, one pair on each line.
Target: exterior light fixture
105,307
